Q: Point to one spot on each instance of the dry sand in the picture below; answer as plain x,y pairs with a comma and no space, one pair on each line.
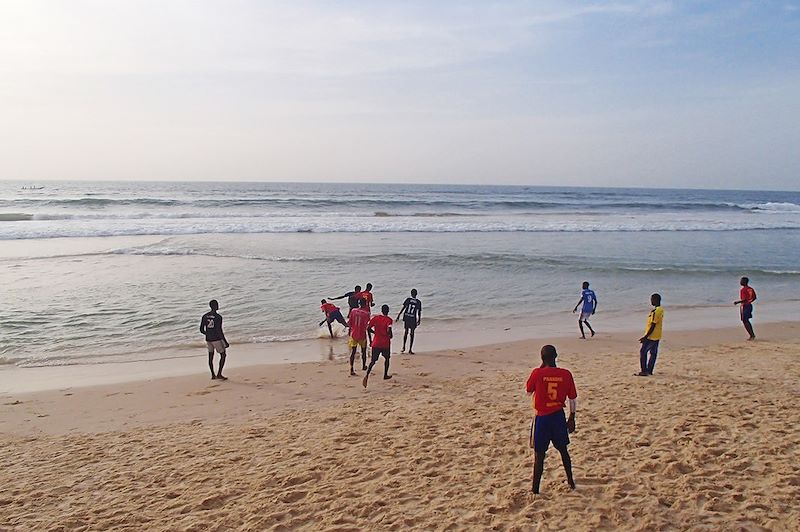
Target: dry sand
711,442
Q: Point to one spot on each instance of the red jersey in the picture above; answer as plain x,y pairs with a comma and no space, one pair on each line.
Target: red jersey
381,325
550,388
747,295
359,318
327,308
367,296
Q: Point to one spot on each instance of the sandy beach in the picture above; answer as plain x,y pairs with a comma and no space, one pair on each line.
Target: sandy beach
710,442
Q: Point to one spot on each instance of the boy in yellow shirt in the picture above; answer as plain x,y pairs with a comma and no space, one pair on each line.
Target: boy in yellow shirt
652,335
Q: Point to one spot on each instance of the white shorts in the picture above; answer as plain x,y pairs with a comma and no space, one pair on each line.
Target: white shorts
585,316
219,345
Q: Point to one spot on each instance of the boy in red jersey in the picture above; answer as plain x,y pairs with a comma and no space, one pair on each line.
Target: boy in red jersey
332,313
366,294
359,319
381,328
746,297
551,386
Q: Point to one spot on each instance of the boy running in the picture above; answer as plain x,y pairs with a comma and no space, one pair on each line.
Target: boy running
412,317
551,386
381,328
746,297
359,319
211,326
652,335
332,313
589,301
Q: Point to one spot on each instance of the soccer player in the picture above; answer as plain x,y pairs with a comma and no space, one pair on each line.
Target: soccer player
211,326
367,295
352,298
589,301
551,386
412,317
381,326
358,321
746,297
332,313
652,335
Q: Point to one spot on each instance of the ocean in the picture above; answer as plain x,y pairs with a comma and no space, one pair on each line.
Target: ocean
108,272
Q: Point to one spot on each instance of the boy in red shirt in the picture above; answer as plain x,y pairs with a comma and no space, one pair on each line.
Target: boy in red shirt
381,329
551,386
332,313
746,297
359,319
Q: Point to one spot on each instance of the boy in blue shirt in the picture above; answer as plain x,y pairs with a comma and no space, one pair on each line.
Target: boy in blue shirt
589,301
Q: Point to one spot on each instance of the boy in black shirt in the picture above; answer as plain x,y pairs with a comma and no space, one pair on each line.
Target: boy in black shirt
211,326
412,317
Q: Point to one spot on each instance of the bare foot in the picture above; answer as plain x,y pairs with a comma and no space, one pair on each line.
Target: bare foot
352,373
411,353
592,333
364,381
213,377
222,377
387,377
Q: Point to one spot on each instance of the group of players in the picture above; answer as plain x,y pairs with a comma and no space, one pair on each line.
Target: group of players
551,387
364,327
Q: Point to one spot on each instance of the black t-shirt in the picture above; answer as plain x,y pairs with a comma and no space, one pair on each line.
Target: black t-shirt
412,306
352,299
211,326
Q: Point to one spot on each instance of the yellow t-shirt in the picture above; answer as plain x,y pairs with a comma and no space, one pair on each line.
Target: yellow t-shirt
656,316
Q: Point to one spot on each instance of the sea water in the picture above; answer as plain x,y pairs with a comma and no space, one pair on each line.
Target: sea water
107,272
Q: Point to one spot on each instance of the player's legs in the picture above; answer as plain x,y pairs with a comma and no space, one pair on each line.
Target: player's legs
567,462
588,325
538,469
749,328
580,326
340,319
330,329
386,357
405,339
222,356
364,356
211,362
375,356
411,341
651,363
352,359
643,357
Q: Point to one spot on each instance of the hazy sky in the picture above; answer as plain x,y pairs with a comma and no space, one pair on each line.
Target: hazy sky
700,93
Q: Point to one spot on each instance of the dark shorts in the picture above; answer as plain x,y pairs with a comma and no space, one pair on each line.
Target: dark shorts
380,352
336,315
747,312
550,428
410,322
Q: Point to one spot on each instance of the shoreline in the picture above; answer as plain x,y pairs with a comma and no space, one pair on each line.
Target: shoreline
186,361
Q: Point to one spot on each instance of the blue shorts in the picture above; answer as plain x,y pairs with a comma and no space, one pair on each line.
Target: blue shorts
336,315
550,428
747,312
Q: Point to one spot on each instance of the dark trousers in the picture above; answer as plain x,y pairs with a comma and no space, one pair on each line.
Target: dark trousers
651,347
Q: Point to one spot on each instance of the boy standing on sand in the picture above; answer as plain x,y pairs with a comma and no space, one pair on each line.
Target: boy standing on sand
332,313
550,387
211,326
381,327
589,300
359,319
412,317
746,297
652,335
